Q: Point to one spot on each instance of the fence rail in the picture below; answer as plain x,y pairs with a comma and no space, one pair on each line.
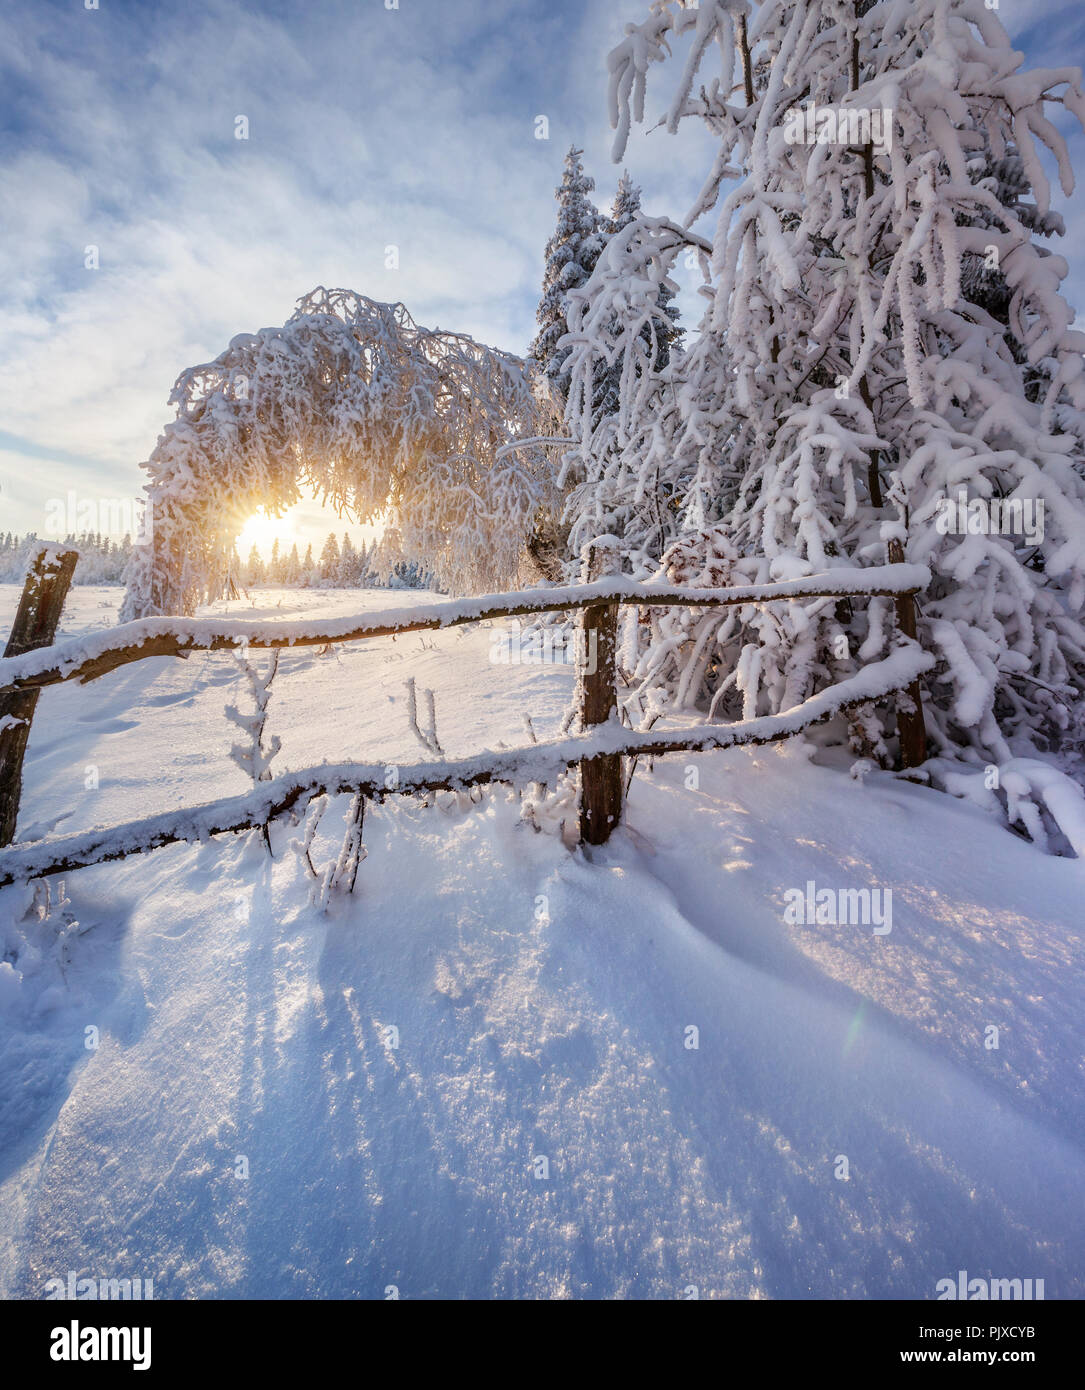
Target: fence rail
598,751
87,658
541,762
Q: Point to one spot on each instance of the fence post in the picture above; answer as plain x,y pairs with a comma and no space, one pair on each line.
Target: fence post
48,576
600,777
910,726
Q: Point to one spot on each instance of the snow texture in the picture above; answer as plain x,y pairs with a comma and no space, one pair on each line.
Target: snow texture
287,1102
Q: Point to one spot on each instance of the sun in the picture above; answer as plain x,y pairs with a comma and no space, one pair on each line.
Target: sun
262,531
306,523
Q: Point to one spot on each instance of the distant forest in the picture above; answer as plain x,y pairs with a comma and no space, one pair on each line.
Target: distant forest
340,565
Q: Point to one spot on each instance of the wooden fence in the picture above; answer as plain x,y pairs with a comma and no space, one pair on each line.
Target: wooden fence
33,662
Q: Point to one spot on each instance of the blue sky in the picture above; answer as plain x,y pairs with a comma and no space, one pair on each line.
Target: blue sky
368,127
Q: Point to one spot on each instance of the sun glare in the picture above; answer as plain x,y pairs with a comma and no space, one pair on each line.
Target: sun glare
304,524
262,531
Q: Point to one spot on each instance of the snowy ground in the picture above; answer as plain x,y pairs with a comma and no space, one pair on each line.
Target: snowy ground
542,1004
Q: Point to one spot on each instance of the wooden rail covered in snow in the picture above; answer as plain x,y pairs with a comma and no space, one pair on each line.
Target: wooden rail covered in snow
598,750
86,658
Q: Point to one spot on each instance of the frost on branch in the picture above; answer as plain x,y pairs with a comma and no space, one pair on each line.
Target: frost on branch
254,757
352,400
426,737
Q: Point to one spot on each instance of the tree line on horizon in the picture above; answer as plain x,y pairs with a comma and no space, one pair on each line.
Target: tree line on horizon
340,565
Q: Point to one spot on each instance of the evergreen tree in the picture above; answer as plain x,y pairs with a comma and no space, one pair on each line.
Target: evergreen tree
329,560
257,572
659,331
348,563
571,254
846,381
235,575
619,512
275,570
571,258
365,555
101,559
626,204
984,282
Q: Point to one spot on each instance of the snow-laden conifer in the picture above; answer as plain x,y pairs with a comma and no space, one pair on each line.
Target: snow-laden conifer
884,352
571,254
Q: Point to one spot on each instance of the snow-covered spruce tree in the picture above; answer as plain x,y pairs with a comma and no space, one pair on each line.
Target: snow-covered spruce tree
623,329
626,203
346,574
364,579
589,526
660,331
329,559
352,400
256,572
847,379
571,254
625,476
663,332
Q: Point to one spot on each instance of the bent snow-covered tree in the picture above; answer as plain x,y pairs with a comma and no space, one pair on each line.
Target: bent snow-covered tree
854,373
353,401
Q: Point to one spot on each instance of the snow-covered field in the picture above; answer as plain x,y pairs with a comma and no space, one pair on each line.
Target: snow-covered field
477,1077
